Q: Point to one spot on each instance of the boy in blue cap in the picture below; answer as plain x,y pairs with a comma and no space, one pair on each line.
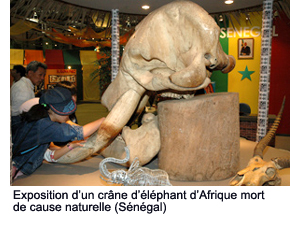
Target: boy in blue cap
45,123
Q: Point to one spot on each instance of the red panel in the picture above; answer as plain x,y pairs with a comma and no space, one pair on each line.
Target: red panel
54,59
280,72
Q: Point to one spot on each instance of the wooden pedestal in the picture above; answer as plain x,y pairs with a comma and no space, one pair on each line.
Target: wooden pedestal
200,137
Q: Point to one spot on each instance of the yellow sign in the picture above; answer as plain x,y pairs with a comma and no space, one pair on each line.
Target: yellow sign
54,76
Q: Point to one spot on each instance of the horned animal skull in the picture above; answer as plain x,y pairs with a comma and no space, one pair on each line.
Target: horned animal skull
257,173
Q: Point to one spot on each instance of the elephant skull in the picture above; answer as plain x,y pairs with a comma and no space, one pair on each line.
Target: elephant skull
174,49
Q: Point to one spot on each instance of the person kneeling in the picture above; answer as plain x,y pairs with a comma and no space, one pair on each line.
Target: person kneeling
45,123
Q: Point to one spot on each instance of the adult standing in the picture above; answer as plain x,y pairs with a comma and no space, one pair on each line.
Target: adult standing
23,89
18,72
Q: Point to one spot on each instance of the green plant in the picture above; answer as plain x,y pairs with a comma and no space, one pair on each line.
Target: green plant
104,70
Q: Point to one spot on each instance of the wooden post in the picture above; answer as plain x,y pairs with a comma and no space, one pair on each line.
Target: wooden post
200,137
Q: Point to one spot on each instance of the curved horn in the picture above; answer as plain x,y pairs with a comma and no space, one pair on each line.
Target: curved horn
281,162
262,144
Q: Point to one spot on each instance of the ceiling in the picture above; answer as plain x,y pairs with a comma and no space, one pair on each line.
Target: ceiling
48,16
134,6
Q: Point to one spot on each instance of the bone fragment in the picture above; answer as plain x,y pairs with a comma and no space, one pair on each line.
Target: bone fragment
143,142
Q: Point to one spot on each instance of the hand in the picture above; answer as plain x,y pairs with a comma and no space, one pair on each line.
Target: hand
75,144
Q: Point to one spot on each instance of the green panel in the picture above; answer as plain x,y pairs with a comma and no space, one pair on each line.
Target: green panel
72,58
221,79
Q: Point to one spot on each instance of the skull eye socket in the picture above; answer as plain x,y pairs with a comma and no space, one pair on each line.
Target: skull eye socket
270,172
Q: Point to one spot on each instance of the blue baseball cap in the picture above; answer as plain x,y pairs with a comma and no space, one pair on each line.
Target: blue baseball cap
59,100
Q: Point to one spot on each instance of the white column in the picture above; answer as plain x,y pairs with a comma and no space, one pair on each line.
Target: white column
265,67
115,44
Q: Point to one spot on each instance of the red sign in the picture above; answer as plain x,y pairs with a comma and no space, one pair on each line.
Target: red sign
66,71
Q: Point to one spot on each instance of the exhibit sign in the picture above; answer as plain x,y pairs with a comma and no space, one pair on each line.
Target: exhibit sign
54,76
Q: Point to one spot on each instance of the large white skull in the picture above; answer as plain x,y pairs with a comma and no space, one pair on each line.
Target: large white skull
257,173
174,49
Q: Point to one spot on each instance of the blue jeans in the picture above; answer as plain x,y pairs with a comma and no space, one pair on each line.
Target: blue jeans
30,141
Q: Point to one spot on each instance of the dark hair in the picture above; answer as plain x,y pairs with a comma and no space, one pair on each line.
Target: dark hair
34,65
35,113
20,69
68,85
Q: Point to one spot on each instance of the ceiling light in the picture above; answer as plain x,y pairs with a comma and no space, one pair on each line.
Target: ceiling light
229,2
145,7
